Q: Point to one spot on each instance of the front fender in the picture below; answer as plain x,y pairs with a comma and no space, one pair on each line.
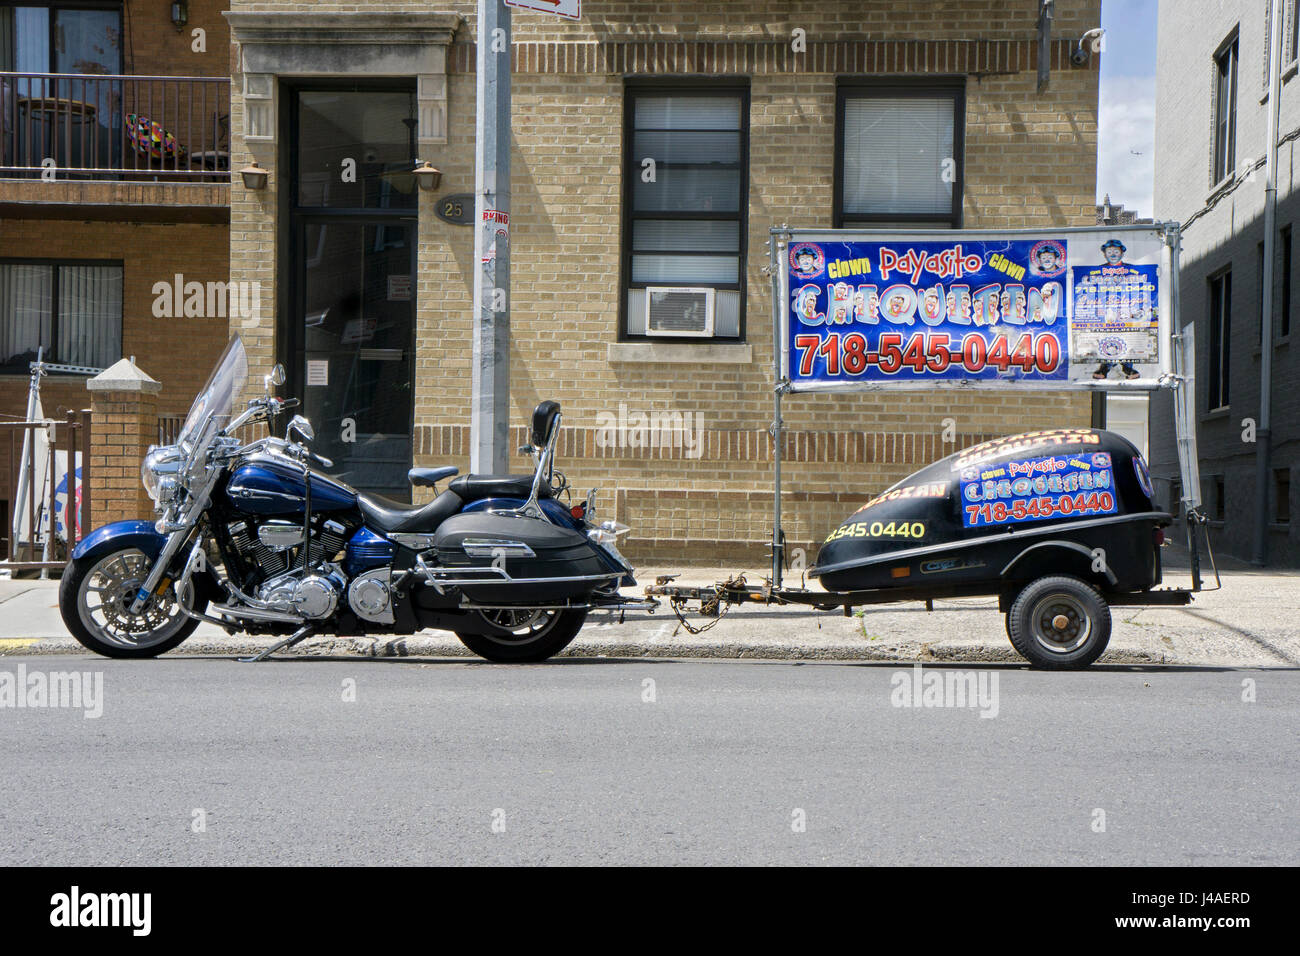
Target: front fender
141,535
118,535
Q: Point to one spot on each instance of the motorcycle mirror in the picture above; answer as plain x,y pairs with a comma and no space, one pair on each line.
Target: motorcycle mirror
276,378
302,427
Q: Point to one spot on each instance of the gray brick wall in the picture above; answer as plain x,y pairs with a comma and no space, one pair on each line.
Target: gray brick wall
1224,229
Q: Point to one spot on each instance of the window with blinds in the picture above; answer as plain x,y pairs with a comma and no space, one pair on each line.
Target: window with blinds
73,311
1225,111
899,156
684,211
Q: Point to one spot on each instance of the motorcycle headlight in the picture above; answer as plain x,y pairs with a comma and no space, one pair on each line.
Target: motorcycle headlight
161,463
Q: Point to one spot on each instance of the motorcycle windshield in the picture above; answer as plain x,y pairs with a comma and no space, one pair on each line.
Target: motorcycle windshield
218,396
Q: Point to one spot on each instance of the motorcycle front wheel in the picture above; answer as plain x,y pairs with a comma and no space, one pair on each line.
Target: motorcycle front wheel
534,635
95,597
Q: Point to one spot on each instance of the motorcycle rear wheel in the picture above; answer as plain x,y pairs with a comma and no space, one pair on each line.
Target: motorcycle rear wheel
94,599
538,635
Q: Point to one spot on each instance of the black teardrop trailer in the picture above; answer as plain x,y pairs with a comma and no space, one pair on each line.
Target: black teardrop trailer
1059,524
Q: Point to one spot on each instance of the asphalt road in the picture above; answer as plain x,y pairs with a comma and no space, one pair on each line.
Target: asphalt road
573,764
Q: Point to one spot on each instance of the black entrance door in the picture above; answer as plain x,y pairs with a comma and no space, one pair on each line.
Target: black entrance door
352,325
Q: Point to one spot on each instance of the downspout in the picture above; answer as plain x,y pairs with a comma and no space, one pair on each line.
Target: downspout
1263,433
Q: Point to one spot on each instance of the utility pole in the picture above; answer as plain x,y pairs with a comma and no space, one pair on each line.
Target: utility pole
490,375
1263,432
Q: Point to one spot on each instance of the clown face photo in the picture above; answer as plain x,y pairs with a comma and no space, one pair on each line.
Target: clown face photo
1047,259
1114,251
807,260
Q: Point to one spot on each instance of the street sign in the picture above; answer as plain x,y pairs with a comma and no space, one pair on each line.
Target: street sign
565,8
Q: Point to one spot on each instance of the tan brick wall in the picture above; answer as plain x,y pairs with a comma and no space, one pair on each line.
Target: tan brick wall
154,47
124,425
1029,160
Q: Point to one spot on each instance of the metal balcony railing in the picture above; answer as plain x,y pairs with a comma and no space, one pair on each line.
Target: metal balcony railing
117,128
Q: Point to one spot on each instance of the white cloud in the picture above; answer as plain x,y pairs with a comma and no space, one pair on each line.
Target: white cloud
1126,126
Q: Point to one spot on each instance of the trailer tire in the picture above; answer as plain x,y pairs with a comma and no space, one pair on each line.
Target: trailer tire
1059,623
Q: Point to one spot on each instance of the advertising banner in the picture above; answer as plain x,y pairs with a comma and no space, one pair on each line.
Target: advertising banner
1068,308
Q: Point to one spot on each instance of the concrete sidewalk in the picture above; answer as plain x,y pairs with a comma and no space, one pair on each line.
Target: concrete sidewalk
1253,621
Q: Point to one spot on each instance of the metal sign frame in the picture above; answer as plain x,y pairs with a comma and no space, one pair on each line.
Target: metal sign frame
1177,353
1164,304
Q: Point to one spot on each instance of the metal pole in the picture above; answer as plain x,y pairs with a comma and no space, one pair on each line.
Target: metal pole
490,374
1263,434
776,251
22,490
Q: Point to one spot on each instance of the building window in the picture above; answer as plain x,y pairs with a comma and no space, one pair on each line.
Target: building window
1259,276
1219,506
686,183
1294,48
83,38
1282,496
73,311
1284,245
1225,111
898,156
1220,317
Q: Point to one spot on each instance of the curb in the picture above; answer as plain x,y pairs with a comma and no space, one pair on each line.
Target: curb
450,647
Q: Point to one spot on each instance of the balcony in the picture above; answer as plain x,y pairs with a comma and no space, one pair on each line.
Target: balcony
76,140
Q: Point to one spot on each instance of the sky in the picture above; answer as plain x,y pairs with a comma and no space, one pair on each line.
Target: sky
1126,134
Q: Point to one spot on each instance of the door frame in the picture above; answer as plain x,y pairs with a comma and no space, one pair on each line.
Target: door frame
292,219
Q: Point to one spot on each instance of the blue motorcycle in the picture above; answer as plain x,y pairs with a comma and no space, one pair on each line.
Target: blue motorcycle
253,538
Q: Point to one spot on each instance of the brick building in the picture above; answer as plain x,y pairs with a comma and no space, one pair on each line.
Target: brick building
89,223
1211,135
756,113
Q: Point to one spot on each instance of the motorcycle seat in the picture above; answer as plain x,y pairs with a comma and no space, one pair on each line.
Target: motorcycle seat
428,477
476,487
385,515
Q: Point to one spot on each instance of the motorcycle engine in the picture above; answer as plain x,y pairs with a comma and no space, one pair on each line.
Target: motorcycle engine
314,595
274,547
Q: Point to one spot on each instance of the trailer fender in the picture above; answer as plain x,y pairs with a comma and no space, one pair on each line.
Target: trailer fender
1038,553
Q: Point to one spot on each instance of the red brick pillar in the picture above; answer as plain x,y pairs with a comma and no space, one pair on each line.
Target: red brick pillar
124,423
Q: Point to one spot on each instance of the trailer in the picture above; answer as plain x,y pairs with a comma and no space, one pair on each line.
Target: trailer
1058,524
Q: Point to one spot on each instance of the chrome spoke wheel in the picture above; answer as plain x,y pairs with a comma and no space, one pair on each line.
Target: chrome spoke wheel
105,597
524,624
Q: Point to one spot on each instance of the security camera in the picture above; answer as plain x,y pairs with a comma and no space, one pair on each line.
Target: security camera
1094,41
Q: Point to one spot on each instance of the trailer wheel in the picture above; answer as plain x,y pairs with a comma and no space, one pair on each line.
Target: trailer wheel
1059,622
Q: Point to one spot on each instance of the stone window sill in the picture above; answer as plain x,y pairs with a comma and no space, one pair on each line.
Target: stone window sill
681,353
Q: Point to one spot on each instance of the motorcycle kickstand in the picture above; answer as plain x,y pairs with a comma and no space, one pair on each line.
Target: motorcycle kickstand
289,641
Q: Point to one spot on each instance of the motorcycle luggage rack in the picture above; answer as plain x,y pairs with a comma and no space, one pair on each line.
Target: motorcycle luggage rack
440,577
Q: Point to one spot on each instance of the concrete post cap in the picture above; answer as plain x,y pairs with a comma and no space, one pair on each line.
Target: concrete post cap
124,376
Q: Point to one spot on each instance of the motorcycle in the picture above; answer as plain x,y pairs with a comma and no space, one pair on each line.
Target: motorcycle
255,538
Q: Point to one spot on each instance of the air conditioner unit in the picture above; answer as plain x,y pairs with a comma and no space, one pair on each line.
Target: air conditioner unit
679,311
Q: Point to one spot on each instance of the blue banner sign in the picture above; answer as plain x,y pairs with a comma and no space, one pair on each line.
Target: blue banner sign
1038,309
1038,489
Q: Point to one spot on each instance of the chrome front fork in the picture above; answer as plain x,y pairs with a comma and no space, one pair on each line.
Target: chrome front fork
160,565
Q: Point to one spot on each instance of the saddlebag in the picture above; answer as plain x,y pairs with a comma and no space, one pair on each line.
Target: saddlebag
545,562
